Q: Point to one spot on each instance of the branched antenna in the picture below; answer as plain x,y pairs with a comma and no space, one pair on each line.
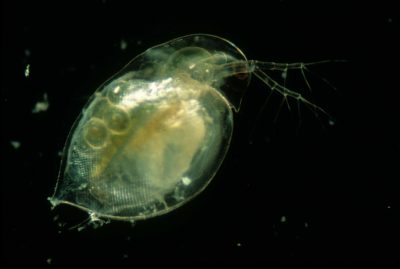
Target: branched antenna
285,92
259,68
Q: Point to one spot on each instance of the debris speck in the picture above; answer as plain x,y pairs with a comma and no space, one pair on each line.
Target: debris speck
306,224
388,207
60,153
238,244
123,44
283,219
27,70
27,52
125,256
15,144
331,122
41,105
139,42
48,261
390,20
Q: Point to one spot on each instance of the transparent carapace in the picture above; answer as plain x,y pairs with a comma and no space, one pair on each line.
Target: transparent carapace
153,136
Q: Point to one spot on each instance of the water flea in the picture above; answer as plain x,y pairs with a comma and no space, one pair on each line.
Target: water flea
154,135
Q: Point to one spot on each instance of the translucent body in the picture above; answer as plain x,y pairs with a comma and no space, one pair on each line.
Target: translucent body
154,135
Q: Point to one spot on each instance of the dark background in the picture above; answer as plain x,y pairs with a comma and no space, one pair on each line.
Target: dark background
314,193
